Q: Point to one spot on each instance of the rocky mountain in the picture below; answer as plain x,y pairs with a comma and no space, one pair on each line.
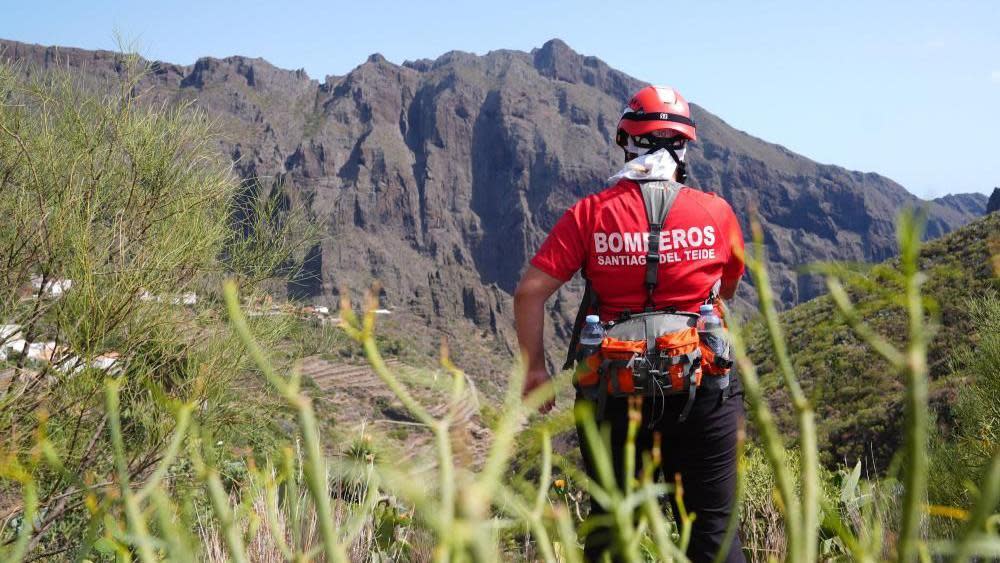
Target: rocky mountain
994,203
441,177
965,204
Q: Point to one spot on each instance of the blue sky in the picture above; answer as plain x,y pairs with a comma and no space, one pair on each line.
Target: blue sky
909,89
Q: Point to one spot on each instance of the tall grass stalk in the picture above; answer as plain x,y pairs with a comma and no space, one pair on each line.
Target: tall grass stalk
133,512
912,363
315,466
772,443
915,370
223,511
802,536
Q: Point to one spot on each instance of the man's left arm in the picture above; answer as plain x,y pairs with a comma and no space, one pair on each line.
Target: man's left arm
732,271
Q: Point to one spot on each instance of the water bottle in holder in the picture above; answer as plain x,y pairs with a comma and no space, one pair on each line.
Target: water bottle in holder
588,353
715,347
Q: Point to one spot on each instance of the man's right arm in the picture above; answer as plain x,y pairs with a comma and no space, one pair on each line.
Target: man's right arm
529,320
559,257
529,315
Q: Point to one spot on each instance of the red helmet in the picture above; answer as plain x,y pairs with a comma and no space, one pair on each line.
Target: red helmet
658,109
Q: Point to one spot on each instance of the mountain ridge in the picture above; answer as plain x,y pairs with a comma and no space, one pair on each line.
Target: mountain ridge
424,64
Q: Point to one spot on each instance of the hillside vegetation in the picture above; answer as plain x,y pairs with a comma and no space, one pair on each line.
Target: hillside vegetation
856,394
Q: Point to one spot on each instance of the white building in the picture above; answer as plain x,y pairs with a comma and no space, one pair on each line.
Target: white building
14,346
46,352
54,288
10,332
189,298
107,362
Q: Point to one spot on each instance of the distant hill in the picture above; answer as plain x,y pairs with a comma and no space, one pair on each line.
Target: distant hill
964,204
441,177
857,399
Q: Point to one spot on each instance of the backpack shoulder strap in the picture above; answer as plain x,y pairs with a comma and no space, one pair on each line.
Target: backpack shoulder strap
586,304
658,197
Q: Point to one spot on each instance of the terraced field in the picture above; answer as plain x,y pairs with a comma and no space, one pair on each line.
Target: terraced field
358,400
342,382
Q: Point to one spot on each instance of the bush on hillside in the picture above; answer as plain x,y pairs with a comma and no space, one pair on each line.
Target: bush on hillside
963,448
116,233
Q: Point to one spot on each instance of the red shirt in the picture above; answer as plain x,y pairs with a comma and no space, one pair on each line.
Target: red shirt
606,233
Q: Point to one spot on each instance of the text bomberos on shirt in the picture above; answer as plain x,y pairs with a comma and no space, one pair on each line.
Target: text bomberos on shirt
676,245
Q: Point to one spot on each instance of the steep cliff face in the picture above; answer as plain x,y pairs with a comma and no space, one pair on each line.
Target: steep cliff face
994,203
440,178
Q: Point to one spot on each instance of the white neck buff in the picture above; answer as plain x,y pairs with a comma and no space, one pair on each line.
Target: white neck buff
653,166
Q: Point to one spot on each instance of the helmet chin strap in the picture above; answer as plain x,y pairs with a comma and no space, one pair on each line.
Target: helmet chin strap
681,172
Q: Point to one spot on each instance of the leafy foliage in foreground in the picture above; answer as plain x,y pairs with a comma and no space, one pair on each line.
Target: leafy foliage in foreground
301,506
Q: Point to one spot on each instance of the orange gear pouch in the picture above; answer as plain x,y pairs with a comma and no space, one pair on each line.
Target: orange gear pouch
622,354
677,346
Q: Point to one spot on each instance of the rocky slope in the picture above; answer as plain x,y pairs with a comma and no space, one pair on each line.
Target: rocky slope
440,178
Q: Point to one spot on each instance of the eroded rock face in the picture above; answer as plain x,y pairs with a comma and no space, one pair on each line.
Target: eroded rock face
440,178
994,202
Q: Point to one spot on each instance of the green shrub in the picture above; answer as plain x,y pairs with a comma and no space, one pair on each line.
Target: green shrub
124,206
964,446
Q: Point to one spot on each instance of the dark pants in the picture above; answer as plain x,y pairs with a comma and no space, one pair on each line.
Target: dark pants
702,450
